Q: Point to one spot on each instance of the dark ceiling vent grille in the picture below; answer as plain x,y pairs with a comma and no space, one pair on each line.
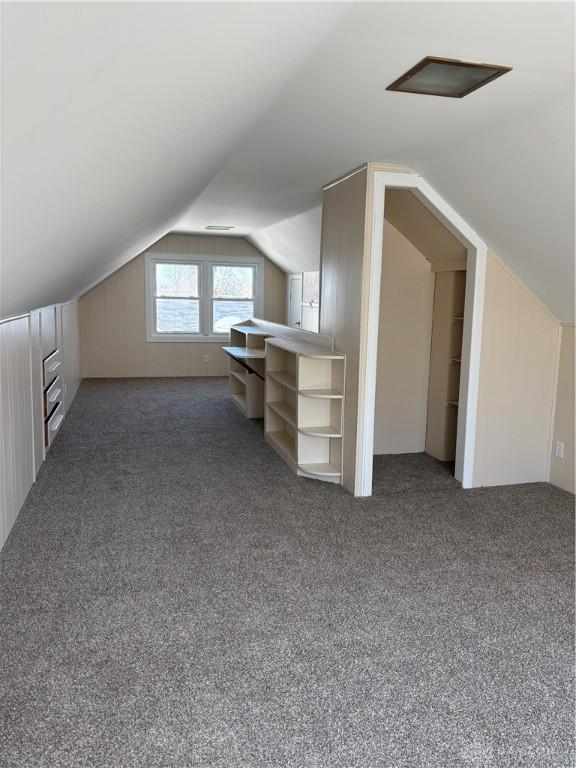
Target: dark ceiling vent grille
434,76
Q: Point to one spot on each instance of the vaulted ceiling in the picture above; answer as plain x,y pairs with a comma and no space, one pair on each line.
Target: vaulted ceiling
123,121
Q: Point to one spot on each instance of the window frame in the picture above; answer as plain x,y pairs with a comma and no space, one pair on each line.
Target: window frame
206,298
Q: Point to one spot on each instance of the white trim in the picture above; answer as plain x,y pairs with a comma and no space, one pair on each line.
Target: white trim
367,373
554,402
205,298
472,329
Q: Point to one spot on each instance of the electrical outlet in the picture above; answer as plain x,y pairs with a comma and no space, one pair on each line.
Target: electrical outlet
559,450
204,359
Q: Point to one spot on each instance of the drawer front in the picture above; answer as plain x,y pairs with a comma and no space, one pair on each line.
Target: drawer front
52,366
53,424
53,395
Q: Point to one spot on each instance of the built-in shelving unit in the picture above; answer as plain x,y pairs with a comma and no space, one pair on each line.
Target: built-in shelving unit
304,396
445,363
247,354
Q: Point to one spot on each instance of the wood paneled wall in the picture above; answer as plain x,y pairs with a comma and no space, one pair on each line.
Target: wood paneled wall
16,436
517,383
344,274
22,420
113,317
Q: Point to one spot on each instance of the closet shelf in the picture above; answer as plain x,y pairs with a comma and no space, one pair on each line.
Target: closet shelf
453,403
457,319
455,360
323,470
327,431
321,393
284,410
284,378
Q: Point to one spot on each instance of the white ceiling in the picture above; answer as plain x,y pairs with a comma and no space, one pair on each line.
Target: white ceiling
124,121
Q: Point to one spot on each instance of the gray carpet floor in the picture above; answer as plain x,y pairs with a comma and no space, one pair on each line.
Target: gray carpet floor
172,596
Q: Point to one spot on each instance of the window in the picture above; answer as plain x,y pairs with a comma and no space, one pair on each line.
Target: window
232,296
199,298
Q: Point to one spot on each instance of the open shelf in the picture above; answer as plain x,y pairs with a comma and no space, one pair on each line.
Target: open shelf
320,469
284,377
321,356
240,375
445,364
284,410
283,442
327,431
304,391
245,353
321,393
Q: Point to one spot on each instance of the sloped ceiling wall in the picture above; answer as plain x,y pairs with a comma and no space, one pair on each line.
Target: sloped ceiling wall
122,121
117,115
294,243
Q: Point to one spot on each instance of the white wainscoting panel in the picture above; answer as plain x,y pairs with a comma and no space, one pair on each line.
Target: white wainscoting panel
16,435
23,343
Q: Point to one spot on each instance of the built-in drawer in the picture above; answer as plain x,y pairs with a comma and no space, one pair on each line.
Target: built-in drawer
52,366
53,424
52,395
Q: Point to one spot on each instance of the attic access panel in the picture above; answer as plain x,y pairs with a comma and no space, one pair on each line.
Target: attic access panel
435,76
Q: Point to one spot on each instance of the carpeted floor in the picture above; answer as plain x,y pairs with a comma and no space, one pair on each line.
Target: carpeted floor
172,596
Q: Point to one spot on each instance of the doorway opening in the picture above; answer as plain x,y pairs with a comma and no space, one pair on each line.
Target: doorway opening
420,336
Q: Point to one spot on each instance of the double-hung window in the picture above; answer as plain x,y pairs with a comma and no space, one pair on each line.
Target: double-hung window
198,298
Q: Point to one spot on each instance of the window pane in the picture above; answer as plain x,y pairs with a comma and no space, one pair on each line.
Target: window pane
227,313
177,280
231,282
177,316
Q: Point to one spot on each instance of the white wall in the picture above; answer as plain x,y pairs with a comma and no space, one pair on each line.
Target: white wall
294,243
22,424
406,309
562,470
517,382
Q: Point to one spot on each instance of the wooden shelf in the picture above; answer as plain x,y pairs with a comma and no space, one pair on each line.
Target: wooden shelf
240,401
328,431
284,410
457,319
322,356
240,375
322,470
455,360
244,353
283,442
284,378
321,393
251,330
453,403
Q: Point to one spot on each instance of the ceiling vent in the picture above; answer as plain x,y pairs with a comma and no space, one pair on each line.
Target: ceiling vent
219,227
434,76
